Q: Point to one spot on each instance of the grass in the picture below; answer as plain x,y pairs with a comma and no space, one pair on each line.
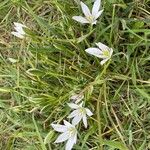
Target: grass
52,65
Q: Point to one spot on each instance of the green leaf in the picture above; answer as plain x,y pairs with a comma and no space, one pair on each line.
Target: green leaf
5,90
39,134
143,93
35,72
115,144
48,137
82,38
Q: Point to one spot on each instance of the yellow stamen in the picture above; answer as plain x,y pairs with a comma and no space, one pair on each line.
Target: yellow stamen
90,18
72,131
106,53
82,111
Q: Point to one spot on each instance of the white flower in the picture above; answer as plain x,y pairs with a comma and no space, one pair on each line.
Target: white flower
90,18
76,97
20,33
12,60
69,134
79,113
102,51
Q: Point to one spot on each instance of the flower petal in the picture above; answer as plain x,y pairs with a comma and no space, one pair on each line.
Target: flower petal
19,30
59,128
111,52
19,24
73,114
19,27
73,106
75,137
68,124
98,14
85,10
80,19
96,7
94,22
62,137
77,97
85,121
94,51
81,104
18,35
71,141
76,119
88,112
102,46
104,61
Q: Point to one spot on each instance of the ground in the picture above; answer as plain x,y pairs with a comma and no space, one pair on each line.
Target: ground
39,74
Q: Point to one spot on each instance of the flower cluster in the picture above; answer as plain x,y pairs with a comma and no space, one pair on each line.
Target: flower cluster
79,112
90,18
69,133
103,51
20,33
68,130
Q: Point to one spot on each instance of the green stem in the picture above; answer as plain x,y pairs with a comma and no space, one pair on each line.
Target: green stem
99,120
38,134
99,105
103,72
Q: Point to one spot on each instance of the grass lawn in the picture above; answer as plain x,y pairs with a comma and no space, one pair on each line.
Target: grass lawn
39,74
